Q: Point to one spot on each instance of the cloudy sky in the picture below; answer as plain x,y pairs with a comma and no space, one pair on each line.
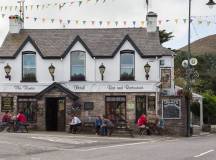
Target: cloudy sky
171,15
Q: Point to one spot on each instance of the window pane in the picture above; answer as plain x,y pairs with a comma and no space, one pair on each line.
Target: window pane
78,66
127,58
29,67
128,71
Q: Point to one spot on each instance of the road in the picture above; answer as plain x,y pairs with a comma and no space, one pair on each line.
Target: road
63,146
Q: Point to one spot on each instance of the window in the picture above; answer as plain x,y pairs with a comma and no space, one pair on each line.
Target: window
29,107
29,67
171,108
162,62
78,66
127,66
6,104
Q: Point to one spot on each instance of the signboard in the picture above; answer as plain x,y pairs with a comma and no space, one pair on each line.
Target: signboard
88,106
171,108
166,78
7,104
151,103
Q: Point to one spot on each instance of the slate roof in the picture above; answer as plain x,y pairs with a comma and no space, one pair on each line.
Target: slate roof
56,43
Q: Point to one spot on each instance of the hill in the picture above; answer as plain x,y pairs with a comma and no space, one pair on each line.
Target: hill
203,46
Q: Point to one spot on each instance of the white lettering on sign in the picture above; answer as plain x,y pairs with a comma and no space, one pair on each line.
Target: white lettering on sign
17,87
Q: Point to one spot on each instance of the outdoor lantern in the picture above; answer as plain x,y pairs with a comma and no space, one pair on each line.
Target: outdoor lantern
211,3
52,70
147,69
102,70
7,69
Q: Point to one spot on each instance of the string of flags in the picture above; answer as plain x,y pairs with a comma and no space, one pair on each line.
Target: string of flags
134,23
43,6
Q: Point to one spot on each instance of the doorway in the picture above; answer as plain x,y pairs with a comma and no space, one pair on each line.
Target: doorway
55,114
140,106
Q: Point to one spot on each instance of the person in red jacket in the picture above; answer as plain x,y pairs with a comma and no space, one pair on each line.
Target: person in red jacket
142,120
21,118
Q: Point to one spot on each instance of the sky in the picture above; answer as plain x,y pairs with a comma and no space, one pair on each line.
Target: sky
171,16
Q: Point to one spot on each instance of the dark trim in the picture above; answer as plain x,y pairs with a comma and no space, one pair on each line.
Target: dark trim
28,39
127,51
77,39
61,88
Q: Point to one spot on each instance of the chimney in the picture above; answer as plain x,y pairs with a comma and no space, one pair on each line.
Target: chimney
16,24
151,19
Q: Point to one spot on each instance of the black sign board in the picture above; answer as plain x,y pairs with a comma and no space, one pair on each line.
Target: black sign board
171,109
88,106
7,104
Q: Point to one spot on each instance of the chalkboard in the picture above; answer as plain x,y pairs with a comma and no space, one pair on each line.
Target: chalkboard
7,104
88,106
171,109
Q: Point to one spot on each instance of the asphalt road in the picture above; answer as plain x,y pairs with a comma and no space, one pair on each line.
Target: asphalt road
63,146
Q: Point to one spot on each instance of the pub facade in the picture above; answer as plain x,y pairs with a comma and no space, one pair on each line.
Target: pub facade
51,74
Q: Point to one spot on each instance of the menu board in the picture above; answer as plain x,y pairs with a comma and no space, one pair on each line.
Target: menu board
166,78
171,108
151,103
7,104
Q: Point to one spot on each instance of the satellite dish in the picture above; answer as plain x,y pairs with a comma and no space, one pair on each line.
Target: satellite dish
185,63
193,61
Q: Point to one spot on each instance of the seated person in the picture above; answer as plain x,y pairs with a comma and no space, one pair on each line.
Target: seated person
106,127
6,117
160,126
75,123
98,123
20,120
142,124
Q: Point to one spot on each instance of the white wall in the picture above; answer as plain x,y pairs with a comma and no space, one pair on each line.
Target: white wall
62,67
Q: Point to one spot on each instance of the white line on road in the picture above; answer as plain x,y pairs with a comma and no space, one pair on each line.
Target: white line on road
114,146
204,153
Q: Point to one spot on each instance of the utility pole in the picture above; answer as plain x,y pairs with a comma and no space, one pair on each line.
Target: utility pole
22,9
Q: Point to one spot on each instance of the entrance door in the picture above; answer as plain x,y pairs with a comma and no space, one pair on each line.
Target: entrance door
55,114
140,106
51,114
116,108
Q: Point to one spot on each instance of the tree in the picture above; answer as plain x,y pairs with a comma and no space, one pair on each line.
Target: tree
165,36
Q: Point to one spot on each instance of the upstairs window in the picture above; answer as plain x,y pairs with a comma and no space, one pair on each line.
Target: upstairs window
78,60
29,67
127,68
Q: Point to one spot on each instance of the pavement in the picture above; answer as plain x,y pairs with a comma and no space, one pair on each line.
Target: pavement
64,146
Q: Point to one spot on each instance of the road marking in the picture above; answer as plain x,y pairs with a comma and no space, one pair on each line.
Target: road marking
204,153
113,146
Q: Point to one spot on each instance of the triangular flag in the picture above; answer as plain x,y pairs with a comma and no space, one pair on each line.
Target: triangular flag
60,21
3,15
43,20
93,22
80,2
68,21
52,20
108,23
116,23
35,19
26,7
100,22
185,20
5,7
77,22
134,23
125,23
38,6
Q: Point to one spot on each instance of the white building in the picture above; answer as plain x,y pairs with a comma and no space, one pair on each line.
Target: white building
123,91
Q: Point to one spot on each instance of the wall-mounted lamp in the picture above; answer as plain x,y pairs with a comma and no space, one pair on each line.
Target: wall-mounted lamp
7,69
52,70
102,70
147,69
211,4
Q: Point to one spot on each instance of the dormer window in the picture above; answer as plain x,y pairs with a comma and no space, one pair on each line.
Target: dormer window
127,69
29,67
78,66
